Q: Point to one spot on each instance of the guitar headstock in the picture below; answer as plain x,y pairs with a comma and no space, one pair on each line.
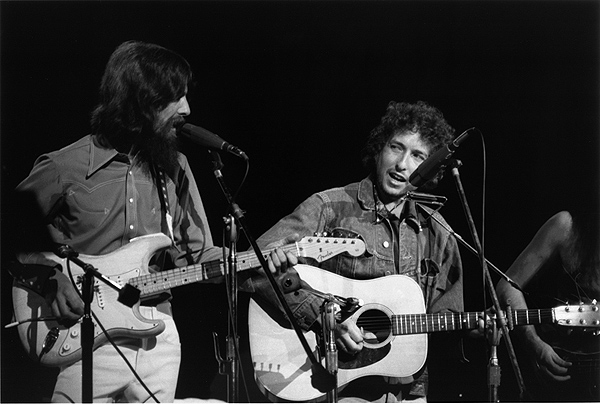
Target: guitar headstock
583,315
323,248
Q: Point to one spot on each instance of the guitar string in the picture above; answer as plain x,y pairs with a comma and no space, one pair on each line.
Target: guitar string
446,320
578,287
214,268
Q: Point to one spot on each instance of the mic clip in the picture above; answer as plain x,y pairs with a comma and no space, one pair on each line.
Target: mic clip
128,294
344,307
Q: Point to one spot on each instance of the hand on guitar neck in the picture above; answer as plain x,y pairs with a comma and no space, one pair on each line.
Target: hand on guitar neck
280,260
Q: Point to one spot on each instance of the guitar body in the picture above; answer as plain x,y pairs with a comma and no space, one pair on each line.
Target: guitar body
584,371
120,321
282,369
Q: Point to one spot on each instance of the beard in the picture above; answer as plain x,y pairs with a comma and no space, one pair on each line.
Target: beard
159,147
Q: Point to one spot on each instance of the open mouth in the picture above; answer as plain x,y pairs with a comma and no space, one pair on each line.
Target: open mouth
397,177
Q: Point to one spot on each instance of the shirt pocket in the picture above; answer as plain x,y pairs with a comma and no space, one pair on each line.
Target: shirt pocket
346,264
428,278
92,208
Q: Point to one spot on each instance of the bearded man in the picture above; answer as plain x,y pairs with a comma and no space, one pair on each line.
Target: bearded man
124,180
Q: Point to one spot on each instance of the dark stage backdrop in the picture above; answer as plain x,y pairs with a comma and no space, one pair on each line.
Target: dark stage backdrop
298,86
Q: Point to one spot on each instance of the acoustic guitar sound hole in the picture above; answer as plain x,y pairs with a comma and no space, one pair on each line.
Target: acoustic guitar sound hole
376,326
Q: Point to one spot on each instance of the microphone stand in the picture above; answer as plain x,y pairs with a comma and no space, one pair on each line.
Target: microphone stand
87,337
231,365
493,368
128,295
473,250
331,357
232,337
321,379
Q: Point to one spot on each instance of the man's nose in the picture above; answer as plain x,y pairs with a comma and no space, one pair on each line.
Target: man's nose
402,162
184,107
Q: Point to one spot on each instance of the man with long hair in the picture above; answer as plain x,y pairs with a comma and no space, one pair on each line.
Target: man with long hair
560,266
125,180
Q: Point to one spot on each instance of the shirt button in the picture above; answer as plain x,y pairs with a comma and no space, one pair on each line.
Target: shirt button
131,200
386,244
131,226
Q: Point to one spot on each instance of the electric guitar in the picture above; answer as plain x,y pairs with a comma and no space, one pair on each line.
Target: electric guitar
394,316
55,344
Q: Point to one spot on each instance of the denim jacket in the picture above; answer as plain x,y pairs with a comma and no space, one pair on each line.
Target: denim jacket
414,245
425,252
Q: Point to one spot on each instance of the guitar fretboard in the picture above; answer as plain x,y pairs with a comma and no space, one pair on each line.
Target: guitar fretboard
318,248
158,282
425,323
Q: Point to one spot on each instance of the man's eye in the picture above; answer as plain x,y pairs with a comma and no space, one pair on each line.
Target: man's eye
420,157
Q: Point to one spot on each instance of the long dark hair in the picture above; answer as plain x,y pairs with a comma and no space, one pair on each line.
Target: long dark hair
140,79
586,239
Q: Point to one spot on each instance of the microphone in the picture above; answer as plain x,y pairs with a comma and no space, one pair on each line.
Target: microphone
66,251
426,198
434,163
208,139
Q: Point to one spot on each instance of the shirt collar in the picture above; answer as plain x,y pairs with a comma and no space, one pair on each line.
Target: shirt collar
99,156
410,214
366,195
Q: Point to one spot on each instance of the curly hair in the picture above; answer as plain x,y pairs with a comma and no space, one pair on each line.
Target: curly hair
401,117
140,80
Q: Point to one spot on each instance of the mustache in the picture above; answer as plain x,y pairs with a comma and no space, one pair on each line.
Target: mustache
177,122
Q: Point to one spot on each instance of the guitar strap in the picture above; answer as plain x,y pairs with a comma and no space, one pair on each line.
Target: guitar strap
163,196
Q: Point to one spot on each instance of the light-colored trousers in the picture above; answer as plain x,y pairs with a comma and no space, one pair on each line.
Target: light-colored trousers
156,360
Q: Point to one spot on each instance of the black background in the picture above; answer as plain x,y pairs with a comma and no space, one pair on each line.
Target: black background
298,85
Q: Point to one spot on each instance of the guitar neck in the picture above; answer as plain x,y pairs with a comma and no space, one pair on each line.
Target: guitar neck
154,283
426,323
